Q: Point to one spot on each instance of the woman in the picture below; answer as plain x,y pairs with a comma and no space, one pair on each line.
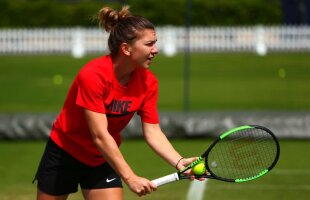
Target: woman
83,148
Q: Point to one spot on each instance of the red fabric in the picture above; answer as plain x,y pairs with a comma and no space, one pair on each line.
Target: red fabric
95,88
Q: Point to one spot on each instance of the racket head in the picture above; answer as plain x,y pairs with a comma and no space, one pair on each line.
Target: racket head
242,154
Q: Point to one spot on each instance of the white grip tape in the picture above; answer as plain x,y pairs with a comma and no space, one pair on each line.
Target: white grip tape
166,179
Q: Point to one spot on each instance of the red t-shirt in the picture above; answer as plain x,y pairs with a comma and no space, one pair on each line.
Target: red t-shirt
96,88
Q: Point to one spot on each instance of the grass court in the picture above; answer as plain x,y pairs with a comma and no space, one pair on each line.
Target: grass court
289,180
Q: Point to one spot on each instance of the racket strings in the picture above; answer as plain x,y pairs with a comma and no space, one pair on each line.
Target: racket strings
242,154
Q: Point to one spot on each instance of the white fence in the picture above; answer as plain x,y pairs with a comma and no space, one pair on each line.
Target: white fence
80,41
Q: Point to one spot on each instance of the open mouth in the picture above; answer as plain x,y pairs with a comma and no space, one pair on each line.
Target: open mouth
149,59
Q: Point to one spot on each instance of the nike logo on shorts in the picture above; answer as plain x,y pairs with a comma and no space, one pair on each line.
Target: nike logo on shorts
110,180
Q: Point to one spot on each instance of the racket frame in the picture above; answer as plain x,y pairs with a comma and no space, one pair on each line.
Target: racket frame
222,136
179,175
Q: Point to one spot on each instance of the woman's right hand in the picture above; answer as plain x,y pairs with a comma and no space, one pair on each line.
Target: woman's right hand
139,185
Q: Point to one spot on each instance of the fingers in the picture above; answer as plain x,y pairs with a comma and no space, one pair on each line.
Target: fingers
193,159
186,161
192,176
141,186
202,178
147,188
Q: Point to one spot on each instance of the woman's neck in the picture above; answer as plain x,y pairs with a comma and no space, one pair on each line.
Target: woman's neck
123,71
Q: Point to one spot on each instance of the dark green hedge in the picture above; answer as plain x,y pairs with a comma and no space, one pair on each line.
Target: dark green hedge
46,13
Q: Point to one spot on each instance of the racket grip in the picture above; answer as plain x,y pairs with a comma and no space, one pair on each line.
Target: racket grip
166,179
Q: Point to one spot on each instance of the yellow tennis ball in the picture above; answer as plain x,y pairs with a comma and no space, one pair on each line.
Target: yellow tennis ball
58,79
199,169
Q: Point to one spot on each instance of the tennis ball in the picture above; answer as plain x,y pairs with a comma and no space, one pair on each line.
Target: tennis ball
282,73
57,79
199,169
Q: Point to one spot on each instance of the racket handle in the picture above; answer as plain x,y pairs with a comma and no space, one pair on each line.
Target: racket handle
166,179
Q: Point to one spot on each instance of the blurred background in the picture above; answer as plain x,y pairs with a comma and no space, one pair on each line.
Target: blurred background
222,64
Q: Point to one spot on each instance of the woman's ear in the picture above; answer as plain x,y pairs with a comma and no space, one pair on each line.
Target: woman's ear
126,49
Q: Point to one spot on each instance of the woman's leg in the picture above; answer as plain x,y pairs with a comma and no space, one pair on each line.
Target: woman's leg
106,194
43,196
101,182
57,175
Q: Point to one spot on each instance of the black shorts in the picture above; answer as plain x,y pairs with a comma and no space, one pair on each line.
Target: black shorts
59,173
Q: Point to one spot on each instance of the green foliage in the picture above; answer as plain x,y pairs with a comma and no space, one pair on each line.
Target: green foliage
53,13
48,13
171,12
237,12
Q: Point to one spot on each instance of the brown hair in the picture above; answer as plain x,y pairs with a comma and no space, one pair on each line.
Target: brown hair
122,26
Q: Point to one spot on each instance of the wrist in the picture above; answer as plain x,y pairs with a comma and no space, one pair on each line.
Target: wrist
128,177
126,173
178,162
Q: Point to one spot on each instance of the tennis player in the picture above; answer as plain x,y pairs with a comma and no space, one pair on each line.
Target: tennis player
83,148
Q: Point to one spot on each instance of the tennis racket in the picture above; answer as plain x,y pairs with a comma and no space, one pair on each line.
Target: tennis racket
239,155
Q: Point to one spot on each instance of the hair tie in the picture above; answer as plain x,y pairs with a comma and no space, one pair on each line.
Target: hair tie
176,166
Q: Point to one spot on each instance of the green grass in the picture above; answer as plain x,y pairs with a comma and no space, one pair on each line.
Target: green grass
218,82
289,180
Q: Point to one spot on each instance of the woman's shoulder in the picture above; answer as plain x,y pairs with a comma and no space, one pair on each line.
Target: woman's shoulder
148,74
100,67
103,61
147,77
99,64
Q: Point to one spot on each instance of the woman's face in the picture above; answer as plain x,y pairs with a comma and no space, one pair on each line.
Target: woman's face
143,50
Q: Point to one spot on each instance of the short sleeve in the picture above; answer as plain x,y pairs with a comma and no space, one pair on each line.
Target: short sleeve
148,110
90,92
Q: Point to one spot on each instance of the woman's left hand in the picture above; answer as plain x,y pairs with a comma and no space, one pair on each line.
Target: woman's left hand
184,162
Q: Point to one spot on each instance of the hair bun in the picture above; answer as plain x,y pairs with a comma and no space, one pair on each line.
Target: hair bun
109,17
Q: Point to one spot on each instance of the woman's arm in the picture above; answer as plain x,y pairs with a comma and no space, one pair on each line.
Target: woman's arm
158,141
98,124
